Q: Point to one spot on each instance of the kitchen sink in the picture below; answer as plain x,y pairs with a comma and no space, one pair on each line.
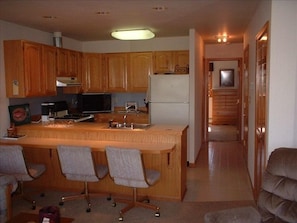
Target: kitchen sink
130,126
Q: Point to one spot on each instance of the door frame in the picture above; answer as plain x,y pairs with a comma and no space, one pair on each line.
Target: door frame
206,98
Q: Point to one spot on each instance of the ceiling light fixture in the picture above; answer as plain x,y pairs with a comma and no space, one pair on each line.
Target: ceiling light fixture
139,34
222,38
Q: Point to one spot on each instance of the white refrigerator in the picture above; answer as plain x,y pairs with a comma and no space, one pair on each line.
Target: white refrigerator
169,99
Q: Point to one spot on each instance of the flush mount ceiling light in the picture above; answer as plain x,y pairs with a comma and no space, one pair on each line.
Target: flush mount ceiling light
139,34
222,38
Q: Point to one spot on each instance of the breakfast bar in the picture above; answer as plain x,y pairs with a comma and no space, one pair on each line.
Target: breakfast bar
164,148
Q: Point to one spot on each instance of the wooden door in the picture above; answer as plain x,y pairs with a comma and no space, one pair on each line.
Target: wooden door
246,82
141,66
33,70
93,79
260,107
116,71
49,69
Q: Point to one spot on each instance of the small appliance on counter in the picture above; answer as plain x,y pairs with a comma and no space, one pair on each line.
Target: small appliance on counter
47,111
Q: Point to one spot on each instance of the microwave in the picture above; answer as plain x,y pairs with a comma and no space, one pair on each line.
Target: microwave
89,103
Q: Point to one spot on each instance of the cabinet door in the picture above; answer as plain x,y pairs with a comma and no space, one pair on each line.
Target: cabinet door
116,71
181,58
141,66
49,69
34,79
163,62
73,63
93,79
62,63
14,68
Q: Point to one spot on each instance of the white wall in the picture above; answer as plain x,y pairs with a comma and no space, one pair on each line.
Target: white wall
221,50
196,95
282,122
282,72
156,44
261,16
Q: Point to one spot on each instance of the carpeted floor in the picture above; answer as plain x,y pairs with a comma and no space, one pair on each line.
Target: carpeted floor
102,210
218,181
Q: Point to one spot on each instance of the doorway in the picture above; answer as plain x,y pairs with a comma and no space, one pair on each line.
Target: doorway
223,99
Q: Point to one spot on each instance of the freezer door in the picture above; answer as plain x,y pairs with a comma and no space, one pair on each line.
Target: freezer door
169,113
169,88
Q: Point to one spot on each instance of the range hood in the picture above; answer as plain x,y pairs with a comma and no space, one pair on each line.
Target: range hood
67,82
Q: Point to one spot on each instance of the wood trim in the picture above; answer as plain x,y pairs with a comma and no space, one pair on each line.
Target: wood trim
96,145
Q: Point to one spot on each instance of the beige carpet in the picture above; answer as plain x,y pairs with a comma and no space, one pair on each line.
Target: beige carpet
102,210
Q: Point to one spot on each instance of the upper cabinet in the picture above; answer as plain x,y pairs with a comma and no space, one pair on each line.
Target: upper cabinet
163,62
181,60
49,58
26,72
68,63
141,66
170,61
31,69
92,74
116,69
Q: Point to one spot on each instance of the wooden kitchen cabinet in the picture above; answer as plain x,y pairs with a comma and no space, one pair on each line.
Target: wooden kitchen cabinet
167,61
49,58
141,66
26,71
116,70
163,62
93,79
181,58
68,63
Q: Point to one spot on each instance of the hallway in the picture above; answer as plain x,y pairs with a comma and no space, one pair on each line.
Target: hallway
220,174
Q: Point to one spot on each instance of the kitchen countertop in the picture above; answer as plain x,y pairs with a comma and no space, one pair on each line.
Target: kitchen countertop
49,141
94,126
95,145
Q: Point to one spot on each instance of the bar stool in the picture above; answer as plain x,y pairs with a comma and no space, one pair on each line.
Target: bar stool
126,169
77,164
12,162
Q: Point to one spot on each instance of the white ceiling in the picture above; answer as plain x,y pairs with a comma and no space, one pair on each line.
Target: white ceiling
79,19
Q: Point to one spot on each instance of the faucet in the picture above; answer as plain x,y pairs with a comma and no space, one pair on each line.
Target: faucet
125,120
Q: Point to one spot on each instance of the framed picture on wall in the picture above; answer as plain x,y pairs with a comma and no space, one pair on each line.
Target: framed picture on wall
226,77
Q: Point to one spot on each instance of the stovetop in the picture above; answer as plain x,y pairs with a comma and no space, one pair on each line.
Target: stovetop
73,116
77,117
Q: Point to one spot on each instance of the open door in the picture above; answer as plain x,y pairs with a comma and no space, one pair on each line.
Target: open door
261,107
246,101
223,100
